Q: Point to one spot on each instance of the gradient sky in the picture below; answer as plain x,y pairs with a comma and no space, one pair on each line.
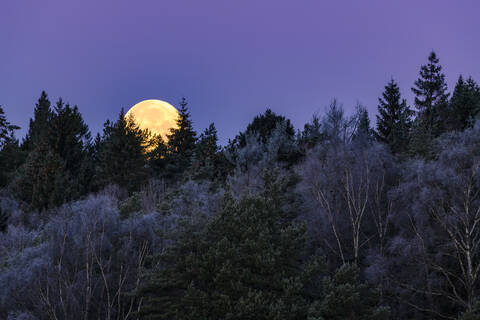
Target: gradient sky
230,59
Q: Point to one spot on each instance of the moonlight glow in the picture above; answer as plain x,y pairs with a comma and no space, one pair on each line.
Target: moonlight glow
155,115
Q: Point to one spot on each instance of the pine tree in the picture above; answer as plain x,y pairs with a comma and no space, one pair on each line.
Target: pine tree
346,297
431,97
122,155
464,105
181,144
393,119
245,264
43,181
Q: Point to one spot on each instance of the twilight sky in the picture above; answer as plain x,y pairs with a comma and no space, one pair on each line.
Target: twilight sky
230,59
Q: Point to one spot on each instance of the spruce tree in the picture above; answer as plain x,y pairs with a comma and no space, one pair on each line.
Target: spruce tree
363,129
122,155
431,97
393,119
39,127
181,144
206,155
464,105
69,136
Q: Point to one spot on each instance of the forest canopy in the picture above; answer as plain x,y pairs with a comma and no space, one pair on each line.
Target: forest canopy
342,219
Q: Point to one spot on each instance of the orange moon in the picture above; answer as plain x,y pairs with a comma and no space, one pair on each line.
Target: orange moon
155,115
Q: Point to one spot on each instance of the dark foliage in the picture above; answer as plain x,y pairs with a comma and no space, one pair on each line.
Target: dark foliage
393,119
337,221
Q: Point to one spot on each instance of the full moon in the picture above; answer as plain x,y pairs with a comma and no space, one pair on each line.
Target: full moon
155,115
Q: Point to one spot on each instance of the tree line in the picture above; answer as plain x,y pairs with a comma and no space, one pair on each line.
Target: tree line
340,220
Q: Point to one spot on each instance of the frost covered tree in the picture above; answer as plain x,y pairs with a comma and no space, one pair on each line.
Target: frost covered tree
348,185
438,215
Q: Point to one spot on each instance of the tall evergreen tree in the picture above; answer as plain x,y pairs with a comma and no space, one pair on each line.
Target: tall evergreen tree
246,264
431,97
122,155
393,119
207,161
70,139
464,105
39,127
69,135
43,181
363,128
181,144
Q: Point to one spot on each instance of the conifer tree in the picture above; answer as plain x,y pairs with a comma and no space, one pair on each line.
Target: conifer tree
245,264
311,134
43,181
363,128
431,98
346,297
122,155
206,155
464,105
6,128
11,156
39,127
69,136
263,126
157,155
181,144
393,119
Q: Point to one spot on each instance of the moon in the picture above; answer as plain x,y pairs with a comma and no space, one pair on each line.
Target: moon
155,115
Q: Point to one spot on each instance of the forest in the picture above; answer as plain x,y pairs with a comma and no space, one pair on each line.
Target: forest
341,219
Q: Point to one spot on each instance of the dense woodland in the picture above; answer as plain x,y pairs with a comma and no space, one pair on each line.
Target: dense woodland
343,219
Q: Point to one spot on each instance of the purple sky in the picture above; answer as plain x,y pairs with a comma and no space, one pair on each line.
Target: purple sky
230,59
